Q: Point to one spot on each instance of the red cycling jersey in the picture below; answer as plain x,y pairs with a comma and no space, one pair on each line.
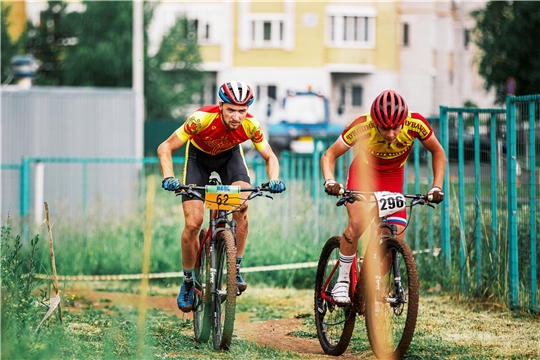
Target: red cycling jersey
207,132
374,150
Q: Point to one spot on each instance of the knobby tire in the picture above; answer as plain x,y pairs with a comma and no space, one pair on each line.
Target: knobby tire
390,329
224,307
202,310
334,324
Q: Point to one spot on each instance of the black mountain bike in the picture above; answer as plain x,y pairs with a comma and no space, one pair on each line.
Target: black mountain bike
214,302
383,285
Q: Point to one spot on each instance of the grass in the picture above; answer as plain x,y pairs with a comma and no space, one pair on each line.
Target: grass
447,328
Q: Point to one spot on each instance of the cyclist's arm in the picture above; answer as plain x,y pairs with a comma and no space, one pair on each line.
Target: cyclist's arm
165,150
272,163
328,160
438,160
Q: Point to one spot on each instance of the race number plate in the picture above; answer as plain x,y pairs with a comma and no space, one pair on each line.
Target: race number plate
389,202
222,197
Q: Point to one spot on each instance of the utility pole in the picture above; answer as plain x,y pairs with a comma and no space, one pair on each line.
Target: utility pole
138,75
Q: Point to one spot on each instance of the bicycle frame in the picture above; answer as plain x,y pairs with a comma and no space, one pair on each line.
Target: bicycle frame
355,278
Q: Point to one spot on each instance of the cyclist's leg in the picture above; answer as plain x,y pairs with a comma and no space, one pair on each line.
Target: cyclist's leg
357,223
193,213
193,210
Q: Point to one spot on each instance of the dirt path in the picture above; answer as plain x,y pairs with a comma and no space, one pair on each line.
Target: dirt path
272,333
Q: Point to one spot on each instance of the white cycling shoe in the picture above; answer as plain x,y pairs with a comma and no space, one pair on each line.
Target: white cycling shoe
340,293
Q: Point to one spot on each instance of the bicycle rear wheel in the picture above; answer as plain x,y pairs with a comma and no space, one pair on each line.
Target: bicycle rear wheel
201,301
391,310
334,324
224,298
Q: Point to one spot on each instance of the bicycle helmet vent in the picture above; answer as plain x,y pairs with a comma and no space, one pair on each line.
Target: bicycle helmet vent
389,110
236,93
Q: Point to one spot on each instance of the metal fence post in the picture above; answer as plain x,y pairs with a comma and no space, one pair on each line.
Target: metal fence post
532,202
461,177
25,187
494,209
445,211
477,191
513,276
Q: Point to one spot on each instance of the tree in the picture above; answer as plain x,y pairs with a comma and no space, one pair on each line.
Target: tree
103,53
95,48
46,43
172,74
505,36
9,48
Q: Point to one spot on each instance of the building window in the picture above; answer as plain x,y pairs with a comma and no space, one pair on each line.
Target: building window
266,29
272,91
351,26
405,34
357,95
466,38
267,33
198,29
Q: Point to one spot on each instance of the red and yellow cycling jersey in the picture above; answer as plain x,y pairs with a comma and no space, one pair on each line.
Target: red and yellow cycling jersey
374,150
207,132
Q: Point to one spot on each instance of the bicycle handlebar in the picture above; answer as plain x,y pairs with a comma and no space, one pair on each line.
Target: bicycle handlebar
351,196
193,191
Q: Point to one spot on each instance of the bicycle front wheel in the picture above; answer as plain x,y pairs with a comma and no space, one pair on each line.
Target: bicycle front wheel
224,298
391,298
201,301
334,324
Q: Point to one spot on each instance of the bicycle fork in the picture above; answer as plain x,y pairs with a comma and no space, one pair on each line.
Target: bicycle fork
399,297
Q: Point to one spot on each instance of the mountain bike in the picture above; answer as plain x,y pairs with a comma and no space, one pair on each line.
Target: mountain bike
383,284
214,302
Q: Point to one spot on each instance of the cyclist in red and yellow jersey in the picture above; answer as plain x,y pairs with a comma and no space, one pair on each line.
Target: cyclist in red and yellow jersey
213,137
383,139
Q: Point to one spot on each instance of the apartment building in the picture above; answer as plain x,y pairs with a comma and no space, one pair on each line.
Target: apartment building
348,51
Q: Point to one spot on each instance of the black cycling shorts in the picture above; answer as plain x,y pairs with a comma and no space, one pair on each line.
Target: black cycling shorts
230,165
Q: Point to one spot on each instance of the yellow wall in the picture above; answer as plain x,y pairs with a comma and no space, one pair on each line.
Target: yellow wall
387,41
16,19
309,44
211,53
259,6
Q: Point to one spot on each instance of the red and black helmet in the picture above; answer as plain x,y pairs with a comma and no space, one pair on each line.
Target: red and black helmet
236,93
389,110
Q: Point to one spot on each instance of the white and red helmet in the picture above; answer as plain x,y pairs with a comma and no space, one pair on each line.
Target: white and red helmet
236,93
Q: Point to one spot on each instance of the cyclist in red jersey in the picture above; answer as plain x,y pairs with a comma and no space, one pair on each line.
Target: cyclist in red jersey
383,139
213,137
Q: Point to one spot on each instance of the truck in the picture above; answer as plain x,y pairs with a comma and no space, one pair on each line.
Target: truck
297,119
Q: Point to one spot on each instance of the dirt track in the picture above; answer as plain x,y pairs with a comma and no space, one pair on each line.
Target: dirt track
272,333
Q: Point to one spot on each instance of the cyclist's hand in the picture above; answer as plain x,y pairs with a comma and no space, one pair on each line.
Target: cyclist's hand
170,183
331,187
276,186
435,195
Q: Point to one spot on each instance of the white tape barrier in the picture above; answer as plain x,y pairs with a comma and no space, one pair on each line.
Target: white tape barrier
305,265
